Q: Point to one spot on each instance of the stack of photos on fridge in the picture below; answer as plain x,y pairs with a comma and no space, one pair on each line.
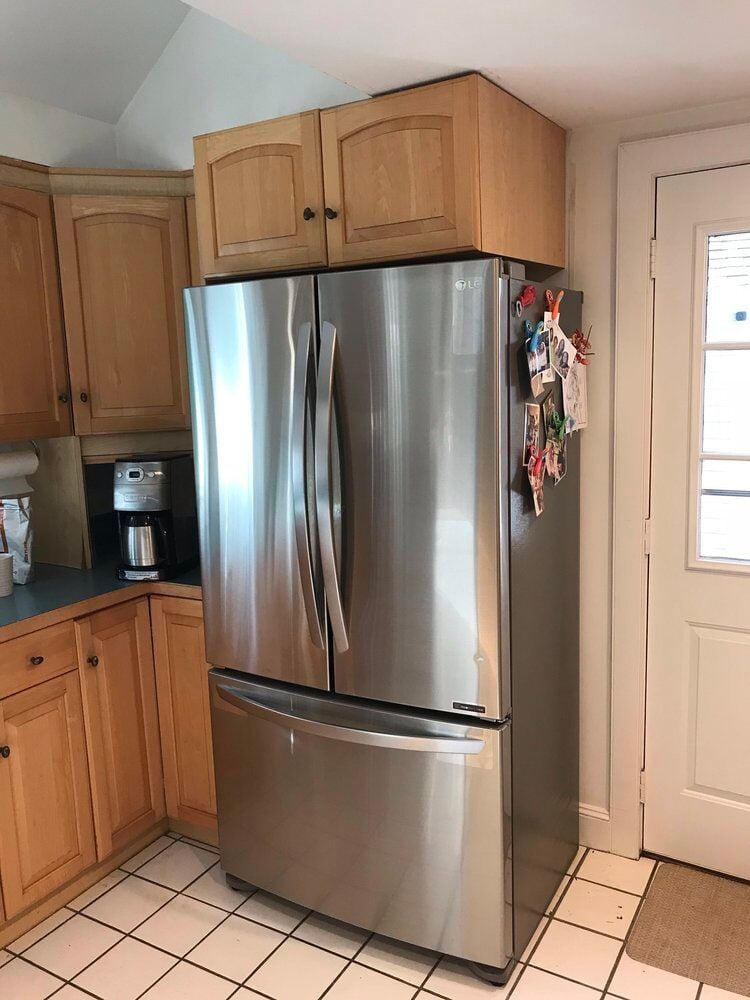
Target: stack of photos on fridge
551,354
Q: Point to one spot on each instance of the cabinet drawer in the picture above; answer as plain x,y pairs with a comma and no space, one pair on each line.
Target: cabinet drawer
37,657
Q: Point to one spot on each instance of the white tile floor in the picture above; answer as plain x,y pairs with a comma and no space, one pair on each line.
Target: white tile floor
166,927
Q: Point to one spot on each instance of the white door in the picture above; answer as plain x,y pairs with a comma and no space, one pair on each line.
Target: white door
697,771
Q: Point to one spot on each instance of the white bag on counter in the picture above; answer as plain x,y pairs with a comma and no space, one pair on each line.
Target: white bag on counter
17,536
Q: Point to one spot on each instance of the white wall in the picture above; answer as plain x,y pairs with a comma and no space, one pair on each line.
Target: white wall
212,77
33,131
592,166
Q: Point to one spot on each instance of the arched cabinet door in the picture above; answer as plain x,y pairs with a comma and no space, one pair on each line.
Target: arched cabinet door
259,196
123,265
34,394
401,174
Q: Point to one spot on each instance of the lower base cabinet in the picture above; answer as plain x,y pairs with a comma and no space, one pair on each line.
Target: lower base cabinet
184,714
46,828
82,739
119,699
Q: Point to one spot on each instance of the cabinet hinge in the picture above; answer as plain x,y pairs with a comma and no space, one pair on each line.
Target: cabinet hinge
652,258
647,536
642,787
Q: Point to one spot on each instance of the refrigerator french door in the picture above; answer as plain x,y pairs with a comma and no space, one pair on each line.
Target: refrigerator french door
354,434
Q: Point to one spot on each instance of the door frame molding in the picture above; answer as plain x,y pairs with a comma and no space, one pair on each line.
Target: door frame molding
640,164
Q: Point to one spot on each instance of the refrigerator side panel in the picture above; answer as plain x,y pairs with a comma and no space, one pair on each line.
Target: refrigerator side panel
415,388
544,613
388,821
247,401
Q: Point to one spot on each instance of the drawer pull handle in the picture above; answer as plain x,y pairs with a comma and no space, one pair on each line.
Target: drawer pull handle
36,660
331,213
308,214
93,660
84,397
4,752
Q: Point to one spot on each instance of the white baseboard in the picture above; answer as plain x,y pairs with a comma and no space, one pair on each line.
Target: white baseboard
595,829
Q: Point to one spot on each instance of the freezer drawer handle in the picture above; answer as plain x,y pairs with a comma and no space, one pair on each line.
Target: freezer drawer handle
323,417
303,368
346,734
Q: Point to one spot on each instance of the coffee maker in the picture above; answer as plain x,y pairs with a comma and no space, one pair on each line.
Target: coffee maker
156,517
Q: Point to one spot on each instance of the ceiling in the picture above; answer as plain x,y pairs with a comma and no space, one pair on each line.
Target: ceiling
578,62
86,56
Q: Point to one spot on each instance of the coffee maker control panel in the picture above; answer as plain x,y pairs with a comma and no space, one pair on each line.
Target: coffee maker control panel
142,486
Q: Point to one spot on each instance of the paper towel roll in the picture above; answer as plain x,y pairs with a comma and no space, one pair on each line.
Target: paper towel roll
17,461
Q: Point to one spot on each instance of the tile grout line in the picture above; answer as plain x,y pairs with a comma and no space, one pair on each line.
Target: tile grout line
635,917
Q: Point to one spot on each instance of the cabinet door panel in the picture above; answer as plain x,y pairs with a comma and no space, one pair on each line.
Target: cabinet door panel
402,173
46,830
32,369
121,720
123,262
252,186
184,710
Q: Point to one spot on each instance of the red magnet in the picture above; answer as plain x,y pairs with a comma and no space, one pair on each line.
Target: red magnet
526,298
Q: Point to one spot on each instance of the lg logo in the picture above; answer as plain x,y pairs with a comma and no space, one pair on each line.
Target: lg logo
463,283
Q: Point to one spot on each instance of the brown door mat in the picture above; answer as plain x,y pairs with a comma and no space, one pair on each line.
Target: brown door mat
696,925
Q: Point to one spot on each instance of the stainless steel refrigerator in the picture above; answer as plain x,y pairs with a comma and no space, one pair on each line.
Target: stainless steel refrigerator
394,633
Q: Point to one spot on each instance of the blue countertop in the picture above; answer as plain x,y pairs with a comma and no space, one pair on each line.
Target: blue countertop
58,586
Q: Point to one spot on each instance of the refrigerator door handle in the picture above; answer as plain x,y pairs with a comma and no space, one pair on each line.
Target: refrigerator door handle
323,417
347,734
303,363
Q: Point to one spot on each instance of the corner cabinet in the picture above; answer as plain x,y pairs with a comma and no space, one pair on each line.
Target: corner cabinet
46,831
119,699
184,710
123,265
259,196
34,395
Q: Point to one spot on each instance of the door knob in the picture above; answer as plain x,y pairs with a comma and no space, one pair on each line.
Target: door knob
84,397
36,660
331,214
308,214
4,752
63,397
93,660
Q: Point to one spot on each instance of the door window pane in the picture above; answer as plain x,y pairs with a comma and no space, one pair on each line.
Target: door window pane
728,292
724,529
726,402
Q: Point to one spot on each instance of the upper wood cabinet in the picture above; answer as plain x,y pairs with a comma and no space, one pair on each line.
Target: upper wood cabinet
446,168
259,196
123,265
184,710
452,166
34,395
119,698
401,173
46,830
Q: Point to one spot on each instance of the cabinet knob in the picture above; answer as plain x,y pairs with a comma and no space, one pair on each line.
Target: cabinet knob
63,397
4,751
331,214
308,214
84,397
36,660
93,660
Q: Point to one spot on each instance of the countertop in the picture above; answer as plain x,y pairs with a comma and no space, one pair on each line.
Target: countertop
56,587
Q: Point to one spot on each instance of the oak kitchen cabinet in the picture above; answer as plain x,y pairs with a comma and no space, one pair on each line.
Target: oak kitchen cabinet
184,710
451,167
119,698
123,265
259,196
34,393
46,827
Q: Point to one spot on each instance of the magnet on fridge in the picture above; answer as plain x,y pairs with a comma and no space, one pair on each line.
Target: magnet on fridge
526,298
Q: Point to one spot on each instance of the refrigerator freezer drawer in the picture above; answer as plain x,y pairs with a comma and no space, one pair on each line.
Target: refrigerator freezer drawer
389,821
